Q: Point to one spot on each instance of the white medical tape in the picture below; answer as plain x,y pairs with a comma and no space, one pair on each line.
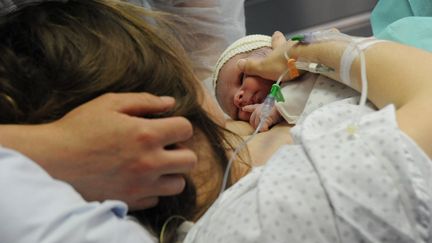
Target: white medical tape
349,55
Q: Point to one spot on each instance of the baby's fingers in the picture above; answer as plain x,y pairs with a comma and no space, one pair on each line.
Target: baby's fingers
257,119
250,108
252,119
265,127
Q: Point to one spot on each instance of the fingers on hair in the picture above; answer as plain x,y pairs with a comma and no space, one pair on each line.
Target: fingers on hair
139,103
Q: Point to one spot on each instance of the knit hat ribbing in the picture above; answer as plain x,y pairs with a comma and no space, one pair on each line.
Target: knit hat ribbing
243,45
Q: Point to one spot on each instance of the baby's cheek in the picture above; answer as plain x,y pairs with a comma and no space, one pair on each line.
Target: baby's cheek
244,116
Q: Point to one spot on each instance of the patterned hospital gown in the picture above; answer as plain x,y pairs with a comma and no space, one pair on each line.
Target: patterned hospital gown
352,176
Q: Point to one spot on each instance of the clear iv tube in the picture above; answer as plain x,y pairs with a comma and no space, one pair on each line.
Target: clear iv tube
268,104
324,35
364,82
233,157
313,67
281,77
332,35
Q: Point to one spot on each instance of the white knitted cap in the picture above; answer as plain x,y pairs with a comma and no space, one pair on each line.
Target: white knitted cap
243,45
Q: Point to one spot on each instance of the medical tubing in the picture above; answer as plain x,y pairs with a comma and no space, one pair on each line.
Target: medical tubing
313,67
234,156
165,225
266,108
281,77
265,112
323,35
230,162
345,69
364,89
331,35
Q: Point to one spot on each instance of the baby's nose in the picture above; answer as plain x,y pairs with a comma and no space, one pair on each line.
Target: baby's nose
238,99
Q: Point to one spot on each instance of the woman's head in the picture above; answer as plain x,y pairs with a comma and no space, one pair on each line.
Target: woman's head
56,56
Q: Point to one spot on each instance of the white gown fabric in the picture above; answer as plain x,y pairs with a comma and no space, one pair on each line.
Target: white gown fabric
352,176
35,207
308,93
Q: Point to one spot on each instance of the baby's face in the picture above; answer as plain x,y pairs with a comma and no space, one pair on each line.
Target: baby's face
235,89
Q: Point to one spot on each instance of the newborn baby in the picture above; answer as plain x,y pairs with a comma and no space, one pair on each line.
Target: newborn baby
240,96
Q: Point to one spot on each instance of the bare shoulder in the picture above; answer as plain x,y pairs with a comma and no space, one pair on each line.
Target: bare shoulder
265,144
415,119
262,147
240,128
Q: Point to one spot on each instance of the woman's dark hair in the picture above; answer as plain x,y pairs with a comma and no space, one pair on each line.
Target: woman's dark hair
57,56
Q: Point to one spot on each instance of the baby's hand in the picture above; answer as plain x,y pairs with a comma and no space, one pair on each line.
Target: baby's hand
256,110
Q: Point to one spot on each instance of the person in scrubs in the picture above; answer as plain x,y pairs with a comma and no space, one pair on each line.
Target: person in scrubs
406,21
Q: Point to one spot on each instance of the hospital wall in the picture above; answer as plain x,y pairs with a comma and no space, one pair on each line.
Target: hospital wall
293,16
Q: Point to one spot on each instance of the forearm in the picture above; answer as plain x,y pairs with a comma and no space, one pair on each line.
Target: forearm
30,140
396,74
105,151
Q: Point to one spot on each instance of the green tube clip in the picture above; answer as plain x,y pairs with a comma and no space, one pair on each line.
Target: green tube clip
276,93
298,38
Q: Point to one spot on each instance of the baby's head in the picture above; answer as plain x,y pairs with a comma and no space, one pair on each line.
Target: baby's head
233,88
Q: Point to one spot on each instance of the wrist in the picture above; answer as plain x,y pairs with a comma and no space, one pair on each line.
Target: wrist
328,53
16,137
38,142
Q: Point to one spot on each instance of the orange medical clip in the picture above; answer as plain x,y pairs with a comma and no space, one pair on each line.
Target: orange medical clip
292,69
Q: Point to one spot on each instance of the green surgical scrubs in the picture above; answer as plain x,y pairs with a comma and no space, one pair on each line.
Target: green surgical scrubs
404,21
